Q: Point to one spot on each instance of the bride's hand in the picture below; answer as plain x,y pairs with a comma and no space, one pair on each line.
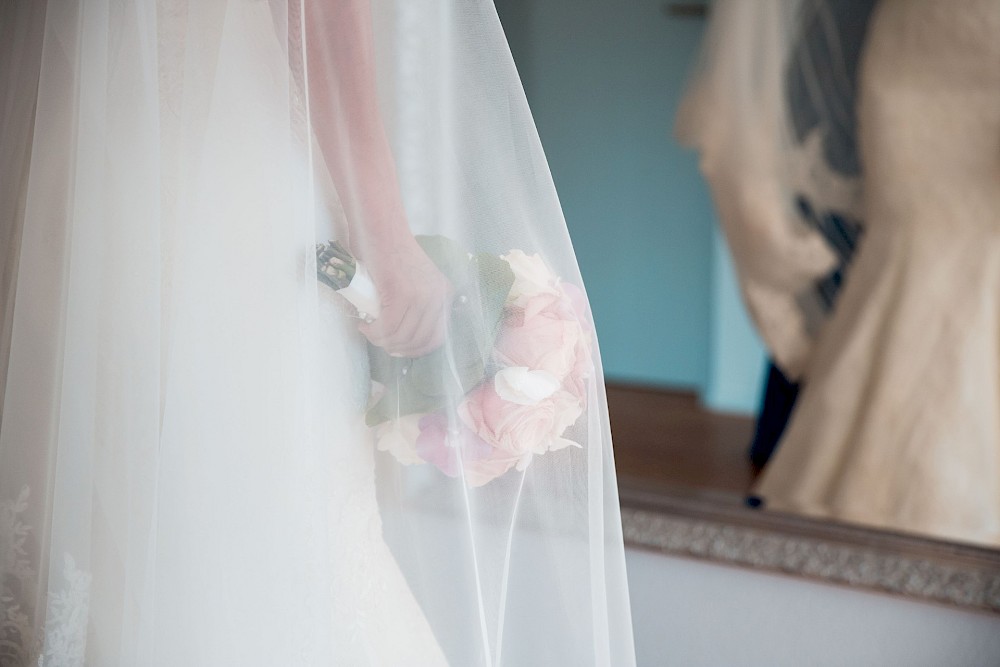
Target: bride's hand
416,301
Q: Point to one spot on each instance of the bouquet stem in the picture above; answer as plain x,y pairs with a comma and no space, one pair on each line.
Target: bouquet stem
336,267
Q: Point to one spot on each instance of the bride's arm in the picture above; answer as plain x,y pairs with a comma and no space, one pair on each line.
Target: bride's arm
345,115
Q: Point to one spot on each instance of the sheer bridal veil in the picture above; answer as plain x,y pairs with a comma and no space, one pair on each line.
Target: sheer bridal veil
202,461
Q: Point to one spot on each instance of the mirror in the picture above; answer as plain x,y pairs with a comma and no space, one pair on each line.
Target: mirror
686,365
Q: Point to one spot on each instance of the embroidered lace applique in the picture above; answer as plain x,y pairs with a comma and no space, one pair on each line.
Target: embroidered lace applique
16,580
65,633
66,625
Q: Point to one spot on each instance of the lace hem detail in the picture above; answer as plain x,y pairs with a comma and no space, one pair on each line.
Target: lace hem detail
65,635
66,625
17,577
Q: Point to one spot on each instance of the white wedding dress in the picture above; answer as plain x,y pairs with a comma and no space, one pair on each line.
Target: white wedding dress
186,476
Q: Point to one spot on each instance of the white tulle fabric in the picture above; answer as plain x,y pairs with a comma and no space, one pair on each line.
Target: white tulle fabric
186,477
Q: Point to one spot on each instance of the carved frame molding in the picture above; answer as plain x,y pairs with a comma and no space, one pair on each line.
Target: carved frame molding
720,529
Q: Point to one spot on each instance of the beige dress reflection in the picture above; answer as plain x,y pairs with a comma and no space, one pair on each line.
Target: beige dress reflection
899,424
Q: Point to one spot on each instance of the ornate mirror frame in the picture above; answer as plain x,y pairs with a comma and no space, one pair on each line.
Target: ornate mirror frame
700,525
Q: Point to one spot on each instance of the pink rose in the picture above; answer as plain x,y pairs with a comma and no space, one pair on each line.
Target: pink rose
542,335
483,471
548,334
577,381
581,307
583,370
439,445
519,431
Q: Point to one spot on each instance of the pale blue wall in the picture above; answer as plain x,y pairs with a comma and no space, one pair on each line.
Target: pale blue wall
603,78
737,362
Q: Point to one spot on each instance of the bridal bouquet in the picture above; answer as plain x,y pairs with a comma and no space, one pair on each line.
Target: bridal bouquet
517,361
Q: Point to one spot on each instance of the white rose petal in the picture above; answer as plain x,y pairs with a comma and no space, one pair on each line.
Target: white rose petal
521,385
399,438
531,276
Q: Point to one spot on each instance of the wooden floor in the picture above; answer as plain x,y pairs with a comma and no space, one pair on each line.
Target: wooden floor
667,439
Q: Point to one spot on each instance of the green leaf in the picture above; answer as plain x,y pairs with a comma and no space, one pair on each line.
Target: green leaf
449,256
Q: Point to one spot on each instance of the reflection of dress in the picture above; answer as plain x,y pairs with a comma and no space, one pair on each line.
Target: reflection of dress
186,477
899,424
770,112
